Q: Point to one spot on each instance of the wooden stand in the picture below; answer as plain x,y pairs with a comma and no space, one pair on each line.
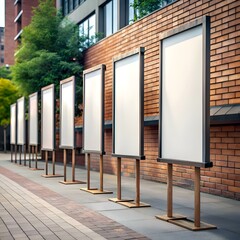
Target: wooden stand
73,169
170,215
18,148
196,224
25,154
11,153
15,149
34,152
47,175
21,148
95,190
29,156
128,203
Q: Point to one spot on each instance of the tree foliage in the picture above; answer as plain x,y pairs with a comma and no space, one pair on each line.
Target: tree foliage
5,72
145,7
49,51
8,95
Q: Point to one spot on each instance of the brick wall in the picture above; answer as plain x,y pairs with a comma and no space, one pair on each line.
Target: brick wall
9,33
224,177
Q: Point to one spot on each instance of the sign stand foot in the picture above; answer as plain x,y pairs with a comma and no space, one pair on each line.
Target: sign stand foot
136,203
36,160
65,182
53,175
196,224
95,190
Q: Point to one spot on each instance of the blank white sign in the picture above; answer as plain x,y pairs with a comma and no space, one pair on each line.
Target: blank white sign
33,119
127,110
48,118
13,124
67,114
182,96
21,121
93,111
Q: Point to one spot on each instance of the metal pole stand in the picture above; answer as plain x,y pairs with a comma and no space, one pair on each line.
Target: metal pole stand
35,152
95,190
53,175
73,169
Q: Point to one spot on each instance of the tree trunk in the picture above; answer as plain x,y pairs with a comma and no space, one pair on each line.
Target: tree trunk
5,139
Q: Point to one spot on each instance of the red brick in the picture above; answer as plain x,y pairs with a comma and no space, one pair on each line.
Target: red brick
234,189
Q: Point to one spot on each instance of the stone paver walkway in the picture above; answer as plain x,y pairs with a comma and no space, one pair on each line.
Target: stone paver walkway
24,215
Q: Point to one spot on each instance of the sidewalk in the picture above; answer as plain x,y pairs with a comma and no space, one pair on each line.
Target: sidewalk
33,207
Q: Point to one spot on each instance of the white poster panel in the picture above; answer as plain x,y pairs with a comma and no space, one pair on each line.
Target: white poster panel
13,132
128,107
21,121
93,111
48,118
67,102
183,96
33,119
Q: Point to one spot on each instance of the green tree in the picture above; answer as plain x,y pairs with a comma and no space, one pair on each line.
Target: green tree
49,51
8,95
5,72
145,7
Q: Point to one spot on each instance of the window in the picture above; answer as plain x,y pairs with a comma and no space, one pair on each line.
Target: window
70,5
65,7
88,30
141,8
2,47
131,11
2,59
75,2
110,17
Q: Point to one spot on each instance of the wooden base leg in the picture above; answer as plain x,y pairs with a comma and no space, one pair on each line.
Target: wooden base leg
169,215
11,153
20,155
35,155
137,203
195,225
29,155
73,169
25,155
95,190
53,175
119,199
15,148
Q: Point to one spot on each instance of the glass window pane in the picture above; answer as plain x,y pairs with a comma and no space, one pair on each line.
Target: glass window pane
70,5
115,15
81,29
131,11
92,27
108,19
65,7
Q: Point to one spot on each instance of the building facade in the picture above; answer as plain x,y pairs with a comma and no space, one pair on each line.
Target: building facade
1,46
103,17
224,177
18,15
